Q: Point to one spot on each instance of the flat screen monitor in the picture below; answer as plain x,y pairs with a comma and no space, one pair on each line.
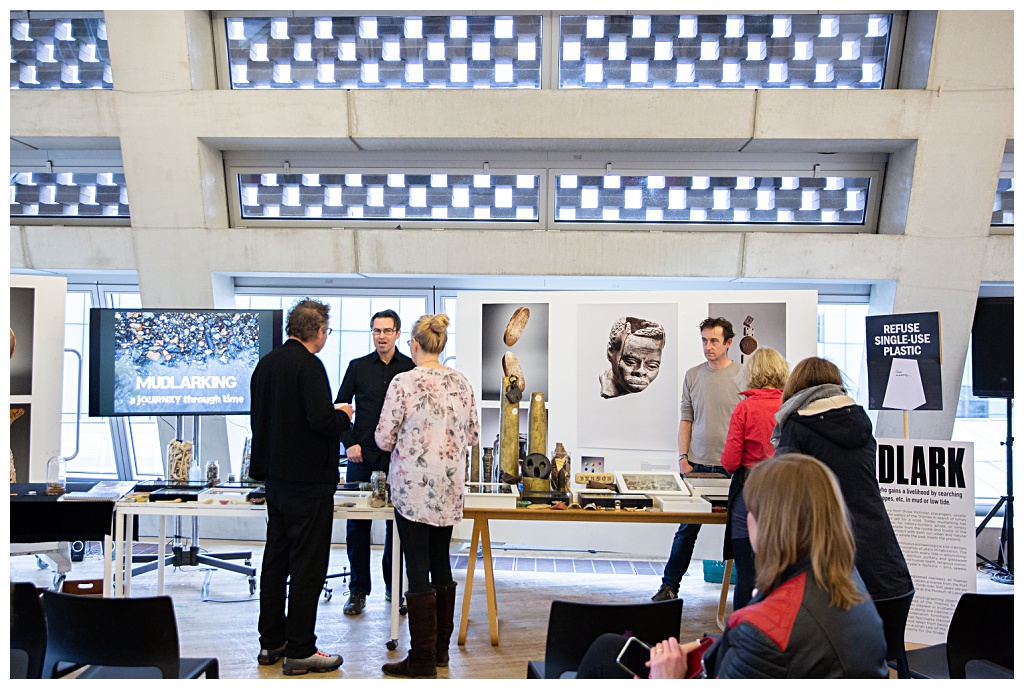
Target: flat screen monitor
145,362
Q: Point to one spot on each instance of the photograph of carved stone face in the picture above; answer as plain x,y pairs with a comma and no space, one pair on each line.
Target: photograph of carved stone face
634,352
627,359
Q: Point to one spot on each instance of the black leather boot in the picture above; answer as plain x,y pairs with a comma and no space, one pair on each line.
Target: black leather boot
445,621
423,638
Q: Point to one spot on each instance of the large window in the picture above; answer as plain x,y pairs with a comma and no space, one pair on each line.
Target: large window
841,338
91,439
620,190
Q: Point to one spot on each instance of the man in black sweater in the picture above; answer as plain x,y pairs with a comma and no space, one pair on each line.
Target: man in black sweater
295,436
367,379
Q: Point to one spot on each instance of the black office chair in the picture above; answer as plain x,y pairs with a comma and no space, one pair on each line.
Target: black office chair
572,627
28,632
130,638
979,642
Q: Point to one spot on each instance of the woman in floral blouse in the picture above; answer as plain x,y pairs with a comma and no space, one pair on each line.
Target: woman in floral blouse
428,420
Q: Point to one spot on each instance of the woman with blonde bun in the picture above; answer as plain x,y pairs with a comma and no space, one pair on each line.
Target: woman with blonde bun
428,420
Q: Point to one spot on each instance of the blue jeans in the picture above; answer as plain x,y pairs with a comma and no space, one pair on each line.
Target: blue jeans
685,538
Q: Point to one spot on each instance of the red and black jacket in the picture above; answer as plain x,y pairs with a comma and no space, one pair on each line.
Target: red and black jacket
794,632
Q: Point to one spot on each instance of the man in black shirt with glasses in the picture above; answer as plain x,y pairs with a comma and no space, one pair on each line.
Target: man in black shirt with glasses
367,380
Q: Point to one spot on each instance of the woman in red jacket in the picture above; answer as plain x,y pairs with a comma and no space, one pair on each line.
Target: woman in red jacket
749,442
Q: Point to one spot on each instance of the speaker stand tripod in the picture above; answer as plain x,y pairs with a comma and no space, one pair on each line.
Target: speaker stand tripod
1002,568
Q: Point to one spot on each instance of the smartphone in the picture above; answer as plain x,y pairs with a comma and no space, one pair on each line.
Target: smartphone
695,658
634,656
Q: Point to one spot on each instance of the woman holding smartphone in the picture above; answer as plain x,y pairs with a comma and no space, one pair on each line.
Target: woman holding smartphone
811,618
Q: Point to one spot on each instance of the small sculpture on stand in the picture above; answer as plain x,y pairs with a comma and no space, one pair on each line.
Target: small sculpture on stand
561,465
536,473
179,460
488,468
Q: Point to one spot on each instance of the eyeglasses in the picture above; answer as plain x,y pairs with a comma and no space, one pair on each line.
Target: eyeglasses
385,331
329,330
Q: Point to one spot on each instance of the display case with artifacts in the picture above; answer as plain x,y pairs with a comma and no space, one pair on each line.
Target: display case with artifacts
681,503
221,495
501,495
650,482
712,487
546,497
613,500
352,498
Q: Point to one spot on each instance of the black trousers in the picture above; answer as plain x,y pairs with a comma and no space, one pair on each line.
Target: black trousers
357,538
298,546
894,622
599,660
743,561
425,549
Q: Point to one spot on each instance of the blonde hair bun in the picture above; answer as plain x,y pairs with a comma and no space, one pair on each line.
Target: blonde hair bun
439,323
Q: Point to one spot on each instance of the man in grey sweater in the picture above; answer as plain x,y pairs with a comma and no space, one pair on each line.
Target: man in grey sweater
709,395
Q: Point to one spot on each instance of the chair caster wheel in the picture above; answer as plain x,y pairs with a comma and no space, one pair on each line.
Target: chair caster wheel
328,595
402,610
252,585
392,645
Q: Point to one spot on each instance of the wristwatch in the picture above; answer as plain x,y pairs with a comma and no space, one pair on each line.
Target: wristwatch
684,456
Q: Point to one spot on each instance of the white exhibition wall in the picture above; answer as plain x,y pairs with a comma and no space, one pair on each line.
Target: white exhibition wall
632,432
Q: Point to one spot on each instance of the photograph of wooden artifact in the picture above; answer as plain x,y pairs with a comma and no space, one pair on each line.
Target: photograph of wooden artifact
510,365
504,327
650,482
516,325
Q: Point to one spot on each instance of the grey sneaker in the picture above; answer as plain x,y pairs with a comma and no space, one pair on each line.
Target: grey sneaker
318,662
356,603
387,595
269,656
666,592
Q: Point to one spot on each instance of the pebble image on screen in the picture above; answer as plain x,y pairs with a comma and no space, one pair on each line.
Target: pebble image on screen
165,362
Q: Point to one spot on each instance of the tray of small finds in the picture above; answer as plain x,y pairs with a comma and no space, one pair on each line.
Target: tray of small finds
544,499
617,501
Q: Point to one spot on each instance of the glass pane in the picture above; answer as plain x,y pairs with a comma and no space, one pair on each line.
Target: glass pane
355,314
378,304
96,450
69,195
354,345
60,53
371,195
373,52
788,51
1002,209
709,198
411,310
145,440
